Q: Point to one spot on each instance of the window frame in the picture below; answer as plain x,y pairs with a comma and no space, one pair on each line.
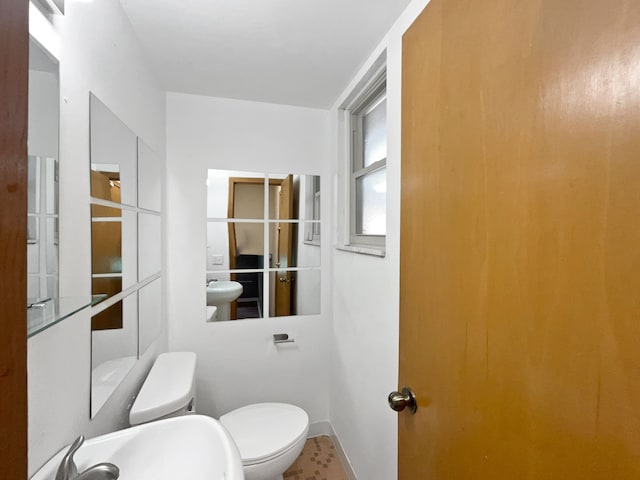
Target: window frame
364,101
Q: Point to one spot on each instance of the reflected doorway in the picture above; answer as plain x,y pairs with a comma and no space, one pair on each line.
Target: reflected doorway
246,242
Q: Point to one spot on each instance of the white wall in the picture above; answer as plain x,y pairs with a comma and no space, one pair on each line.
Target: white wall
366,301
238,363
98,52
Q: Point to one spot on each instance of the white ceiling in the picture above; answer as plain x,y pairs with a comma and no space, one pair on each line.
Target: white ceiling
294,52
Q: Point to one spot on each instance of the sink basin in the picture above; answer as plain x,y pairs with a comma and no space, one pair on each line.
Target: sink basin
193,447
221,292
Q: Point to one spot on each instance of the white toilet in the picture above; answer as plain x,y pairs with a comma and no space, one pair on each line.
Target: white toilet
269,436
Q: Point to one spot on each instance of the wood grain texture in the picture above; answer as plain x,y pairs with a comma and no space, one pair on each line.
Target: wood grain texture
520,240
14,64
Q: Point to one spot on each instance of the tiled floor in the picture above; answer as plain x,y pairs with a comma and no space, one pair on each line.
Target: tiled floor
318,461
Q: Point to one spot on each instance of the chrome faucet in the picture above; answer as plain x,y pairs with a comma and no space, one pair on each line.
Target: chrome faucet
101,471
68,470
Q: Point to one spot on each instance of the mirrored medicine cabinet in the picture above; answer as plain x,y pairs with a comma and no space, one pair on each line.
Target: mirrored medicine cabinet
126,246
263,239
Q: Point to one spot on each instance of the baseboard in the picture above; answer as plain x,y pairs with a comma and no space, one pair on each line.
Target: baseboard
318,429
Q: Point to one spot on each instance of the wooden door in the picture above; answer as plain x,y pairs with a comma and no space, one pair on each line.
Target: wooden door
14,65
284,278
520,241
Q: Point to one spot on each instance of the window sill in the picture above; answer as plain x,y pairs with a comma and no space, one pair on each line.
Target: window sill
371,251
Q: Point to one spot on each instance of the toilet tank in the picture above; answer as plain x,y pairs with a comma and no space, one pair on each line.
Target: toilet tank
169,389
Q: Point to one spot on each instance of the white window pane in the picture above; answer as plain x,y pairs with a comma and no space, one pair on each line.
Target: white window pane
371,203
374,128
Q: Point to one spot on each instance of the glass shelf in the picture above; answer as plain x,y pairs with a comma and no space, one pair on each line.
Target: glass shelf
46,313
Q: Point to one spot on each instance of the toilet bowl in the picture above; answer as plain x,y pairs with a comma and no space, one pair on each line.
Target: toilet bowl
269,436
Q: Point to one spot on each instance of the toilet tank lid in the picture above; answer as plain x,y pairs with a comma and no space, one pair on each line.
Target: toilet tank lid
169,387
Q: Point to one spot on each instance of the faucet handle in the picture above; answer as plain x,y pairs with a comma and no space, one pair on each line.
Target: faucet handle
101,471
67,469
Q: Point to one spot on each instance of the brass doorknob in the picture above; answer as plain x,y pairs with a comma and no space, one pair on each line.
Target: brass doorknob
398,401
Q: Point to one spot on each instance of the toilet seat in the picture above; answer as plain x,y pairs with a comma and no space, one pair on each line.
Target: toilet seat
264,431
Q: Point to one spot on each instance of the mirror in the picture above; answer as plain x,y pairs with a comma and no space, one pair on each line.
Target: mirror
42,213
297,197
224,202
113,250
257,223
294,292
54,6
126,249
149,245
113,153
114,348
149,314
149,178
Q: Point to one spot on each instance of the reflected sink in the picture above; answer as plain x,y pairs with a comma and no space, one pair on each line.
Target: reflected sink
221,292
193,447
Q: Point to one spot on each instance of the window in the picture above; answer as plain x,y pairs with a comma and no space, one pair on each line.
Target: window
367,124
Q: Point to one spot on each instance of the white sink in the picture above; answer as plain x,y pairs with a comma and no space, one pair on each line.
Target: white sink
221,292
193,447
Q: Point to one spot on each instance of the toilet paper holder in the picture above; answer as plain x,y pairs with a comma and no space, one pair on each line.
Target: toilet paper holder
282,338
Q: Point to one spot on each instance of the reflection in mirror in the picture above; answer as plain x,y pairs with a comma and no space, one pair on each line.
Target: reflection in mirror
114,348
105,182
42,213
149,178
237,255
294,292
296,197
287,248
234,296
234,245
42,254
106,251
310,192
234,194
281,197
113,152
149,245
113,250
150,314
246,245
54,6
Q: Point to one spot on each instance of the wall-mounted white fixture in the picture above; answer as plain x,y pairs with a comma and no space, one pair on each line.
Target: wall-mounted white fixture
193,446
